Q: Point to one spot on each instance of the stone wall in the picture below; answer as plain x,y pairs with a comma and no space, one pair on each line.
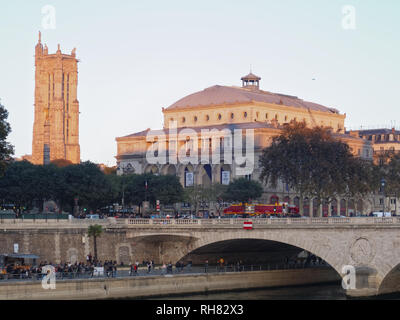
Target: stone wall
141,287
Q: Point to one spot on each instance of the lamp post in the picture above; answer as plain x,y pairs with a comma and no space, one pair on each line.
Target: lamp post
383,183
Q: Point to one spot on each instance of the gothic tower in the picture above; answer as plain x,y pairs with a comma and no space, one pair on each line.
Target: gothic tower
56,124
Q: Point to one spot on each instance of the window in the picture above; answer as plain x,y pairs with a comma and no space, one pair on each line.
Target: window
207,117
195,118
219,116
245,114
266,116
232,115
183,119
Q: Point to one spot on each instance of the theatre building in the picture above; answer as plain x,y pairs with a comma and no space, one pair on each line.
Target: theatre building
200,141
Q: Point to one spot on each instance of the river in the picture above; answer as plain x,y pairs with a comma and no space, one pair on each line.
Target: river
315,292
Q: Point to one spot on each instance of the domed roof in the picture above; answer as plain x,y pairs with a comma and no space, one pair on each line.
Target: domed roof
220,95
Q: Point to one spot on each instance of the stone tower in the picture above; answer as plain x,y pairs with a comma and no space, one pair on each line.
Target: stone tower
56,124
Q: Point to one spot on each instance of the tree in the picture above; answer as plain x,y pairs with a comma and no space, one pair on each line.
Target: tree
312,162
167,189
218,196
391,172
197,196
243,190
95,231
85,181
6,149
19,184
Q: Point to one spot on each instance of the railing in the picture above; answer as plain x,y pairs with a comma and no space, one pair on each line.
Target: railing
196,223
158,271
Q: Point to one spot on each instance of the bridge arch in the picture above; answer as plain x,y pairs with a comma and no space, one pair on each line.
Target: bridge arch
320,248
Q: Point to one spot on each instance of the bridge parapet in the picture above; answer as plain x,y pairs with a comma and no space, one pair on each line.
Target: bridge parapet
331,221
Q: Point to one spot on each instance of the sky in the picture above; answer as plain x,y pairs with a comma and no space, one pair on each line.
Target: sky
137,57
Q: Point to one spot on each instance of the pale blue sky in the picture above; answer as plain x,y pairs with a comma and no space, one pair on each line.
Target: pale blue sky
139,56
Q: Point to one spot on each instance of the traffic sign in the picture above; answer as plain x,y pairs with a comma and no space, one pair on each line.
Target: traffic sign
248,225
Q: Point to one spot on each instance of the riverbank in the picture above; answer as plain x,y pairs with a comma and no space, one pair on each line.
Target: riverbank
170,285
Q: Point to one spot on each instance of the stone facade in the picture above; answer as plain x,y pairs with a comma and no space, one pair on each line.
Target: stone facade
56,124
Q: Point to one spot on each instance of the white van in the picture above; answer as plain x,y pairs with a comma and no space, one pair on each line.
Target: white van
381,214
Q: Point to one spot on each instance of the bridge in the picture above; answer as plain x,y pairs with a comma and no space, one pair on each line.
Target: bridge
371,245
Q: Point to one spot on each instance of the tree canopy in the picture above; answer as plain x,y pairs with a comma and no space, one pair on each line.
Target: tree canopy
6,149
315,163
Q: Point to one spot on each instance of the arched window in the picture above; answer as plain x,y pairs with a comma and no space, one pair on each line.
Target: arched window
232,115
245,114
207,117
195,118
183,119
219,116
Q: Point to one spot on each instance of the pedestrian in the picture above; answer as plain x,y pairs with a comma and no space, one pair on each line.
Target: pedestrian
189,266
148,267
206,266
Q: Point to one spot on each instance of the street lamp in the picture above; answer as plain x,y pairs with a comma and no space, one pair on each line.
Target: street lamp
383,183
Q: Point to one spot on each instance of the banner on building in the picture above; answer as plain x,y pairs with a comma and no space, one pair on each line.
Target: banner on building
225,177
189,179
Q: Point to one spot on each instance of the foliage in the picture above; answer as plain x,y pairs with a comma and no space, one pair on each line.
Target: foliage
316,164
243,190
6,149
95,231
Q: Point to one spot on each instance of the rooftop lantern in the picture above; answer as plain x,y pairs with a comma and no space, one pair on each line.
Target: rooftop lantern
251,81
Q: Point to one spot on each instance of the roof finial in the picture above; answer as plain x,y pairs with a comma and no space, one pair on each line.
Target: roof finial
40,37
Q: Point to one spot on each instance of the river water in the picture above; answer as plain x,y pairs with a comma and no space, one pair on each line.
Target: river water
315,292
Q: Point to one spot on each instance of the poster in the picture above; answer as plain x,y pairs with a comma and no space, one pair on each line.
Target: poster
225,177
189,179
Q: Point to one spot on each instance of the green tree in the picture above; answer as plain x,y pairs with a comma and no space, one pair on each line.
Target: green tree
243,190
167,189
95,231
85,181
312,162
6,149
18,185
